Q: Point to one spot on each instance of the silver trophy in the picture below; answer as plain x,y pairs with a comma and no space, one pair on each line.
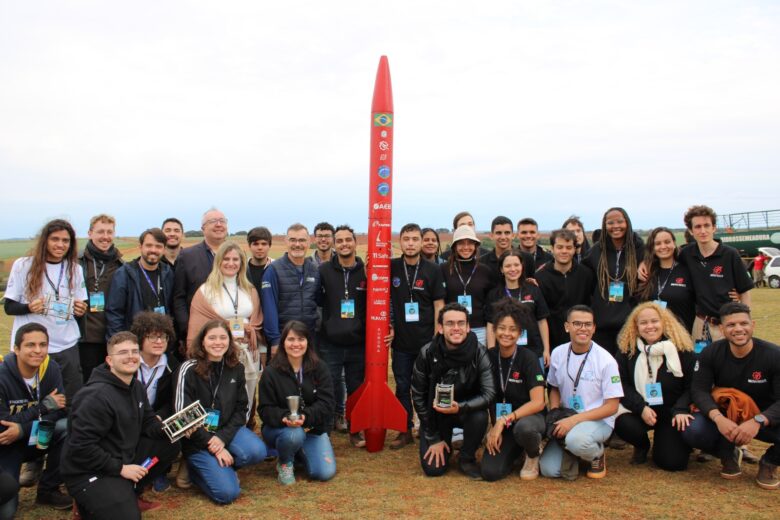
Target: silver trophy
445,394
293,403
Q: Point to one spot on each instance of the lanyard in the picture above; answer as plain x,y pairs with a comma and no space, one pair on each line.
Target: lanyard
151,285
579,372
647,359
36,387
234,302
617,264
414,278
509,294
662,286
505,382
466,284
346,284
299,376
151,377
219,380
98,275
56,288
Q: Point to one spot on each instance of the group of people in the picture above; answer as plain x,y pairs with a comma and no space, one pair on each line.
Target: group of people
539,355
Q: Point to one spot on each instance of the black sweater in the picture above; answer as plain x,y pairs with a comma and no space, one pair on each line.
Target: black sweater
335,329
561,291
478,287
676,390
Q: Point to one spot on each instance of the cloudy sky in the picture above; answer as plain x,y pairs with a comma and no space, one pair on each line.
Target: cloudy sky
148,109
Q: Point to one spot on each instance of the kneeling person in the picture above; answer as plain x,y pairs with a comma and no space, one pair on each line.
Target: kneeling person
456,358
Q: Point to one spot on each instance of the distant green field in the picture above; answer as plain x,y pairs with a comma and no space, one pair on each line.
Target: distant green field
10,249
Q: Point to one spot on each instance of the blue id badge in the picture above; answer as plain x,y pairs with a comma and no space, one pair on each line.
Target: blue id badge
465,300
33,434
97,302
503,409
523,339
655,395
660,303
616,291
160,309
212,420
700,345
411,312
576,404
60,310
347,309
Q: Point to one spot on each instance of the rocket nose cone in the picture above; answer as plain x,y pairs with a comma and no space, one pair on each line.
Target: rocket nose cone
383,89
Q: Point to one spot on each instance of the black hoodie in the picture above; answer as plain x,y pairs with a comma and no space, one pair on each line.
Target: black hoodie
333,276
106,422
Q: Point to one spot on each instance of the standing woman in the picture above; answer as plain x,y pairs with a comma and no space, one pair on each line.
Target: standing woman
614,260
48,288
656,363
574,224
227,294
468,282
668,282
431,246
515,286
518,412
296,370
214,376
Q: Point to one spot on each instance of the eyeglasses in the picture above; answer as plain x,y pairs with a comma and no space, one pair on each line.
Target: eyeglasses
126,353
581,324
157,337
213,221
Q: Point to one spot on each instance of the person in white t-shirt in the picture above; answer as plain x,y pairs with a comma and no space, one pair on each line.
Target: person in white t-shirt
583,377
48,288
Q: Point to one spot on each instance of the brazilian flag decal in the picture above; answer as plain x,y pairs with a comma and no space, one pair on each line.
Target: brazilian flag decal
383,119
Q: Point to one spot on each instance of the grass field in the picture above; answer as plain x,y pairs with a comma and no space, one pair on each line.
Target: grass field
390,484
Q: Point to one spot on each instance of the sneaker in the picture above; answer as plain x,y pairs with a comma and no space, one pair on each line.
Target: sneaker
146,505
616,443
340,424
470,468
272,455
183,476
748,456
357,440
30,473
732,465
286,474
530,468
598,467
56,499
640,456
767,478
704,457
161,484
402,440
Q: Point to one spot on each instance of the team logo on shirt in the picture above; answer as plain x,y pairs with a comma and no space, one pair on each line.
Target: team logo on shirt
756,377
717,272
396,281
696,366
516,375
528,298
679,282
361,286
615,379
418,284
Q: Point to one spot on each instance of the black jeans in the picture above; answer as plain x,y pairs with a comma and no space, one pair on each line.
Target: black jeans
474,424
704,435
70,368
91,355
403,364
349,360
670,451
524,435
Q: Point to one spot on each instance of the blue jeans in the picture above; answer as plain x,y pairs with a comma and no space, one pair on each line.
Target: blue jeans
586,441
703,434
315,450
221,484
403,364
349,360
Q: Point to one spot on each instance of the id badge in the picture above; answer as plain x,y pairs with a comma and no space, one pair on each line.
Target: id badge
465,300
411,312
97,302
616,291
347,309
33,434
503,409
576,404
655,395
523,339
660,303
700,345
60,310
212,420
236,327
160,309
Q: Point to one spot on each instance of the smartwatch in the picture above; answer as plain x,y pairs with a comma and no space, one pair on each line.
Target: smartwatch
760,419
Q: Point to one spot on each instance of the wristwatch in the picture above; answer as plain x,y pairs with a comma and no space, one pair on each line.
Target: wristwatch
760,419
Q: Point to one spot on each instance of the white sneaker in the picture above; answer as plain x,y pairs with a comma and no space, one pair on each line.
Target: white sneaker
530,468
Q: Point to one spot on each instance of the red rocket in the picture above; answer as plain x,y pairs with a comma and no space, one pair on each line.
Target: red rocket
373,408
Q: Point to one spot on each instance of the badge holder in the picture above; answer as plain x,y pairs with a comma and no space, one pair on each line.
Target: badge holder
576,404
465,300
654,394
236,327
412,312
347,309
616,291
97,302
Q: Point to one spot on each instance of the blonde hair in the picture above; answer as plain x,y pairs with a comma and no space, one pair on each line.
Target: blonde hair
213,284
105,219
673,330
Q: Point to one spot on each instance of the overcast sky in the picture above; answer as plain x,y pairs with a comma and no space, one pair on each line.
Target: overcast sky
148,109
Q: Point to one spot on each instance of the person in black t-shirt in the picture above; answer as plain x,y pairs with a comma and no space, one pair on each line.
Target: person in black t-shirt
668,281
259,240
501,232
750,366
528,235
417,295
518,411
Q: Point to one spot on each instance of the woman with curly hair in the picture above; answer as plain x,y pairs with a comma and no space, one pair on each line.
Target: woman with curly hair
656,365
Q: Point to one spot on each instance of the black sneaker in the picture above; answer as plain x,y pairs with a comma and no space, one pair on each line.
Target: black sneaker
640,456
732,465
471,469
56,499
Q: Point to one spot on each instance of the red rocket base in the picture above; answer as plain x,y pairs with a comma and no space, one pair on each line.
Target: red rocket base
373,408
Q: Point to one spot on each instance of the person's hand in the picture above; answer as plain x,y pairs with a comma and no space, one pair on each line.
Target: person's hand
36,306
546,356
495,436
745,432
215,445
192,430
79,308
224,458
133,472
649,416
11,434
58,398
682,421
435,453
389,337
273,350
726,427
642,273
294,424
451,410
564,426
734,295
